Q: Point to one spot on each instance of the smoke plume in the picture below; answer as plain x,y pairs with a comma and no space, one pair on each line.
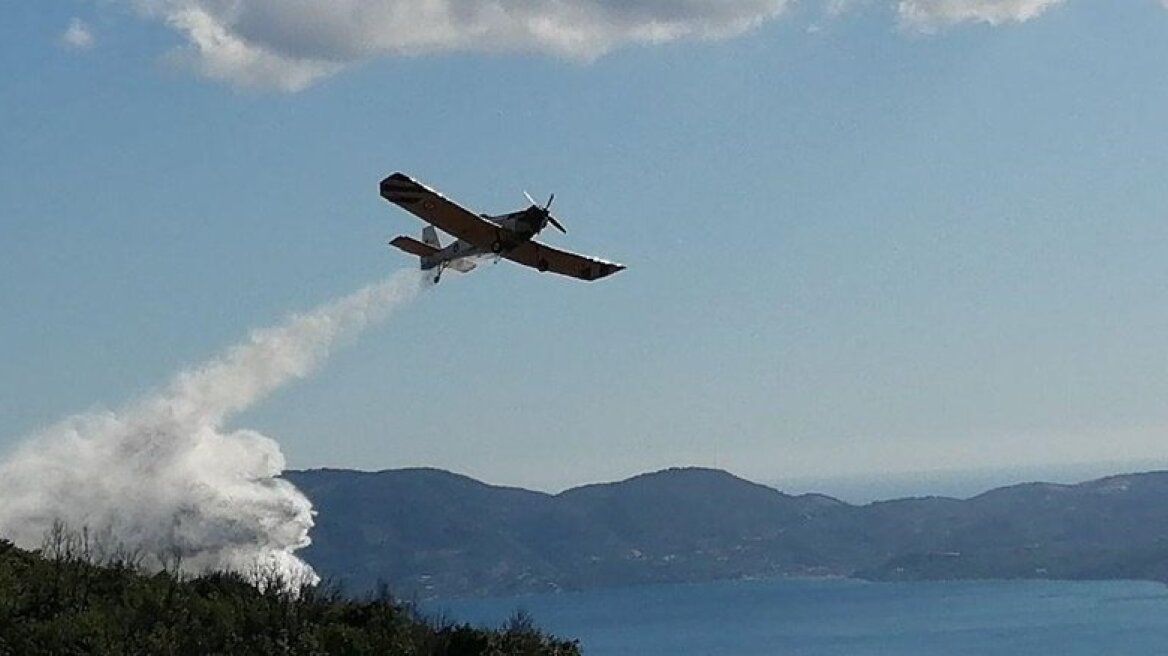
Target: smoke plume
164,477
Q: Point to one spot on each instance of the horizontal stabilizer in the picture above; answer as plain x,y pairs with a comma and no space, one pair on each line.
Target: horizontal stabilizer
413,246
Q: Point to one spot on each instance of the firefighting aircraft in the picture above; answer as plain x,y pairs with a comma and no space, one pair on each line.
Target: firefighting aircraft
506,235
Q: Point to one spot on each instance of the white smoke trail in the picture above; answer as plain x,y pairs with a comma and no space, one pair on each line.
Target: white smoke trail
163,477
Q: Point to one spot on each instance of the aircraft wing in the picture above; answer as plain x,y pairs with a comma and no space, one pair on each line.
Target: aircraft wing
435,209
545,258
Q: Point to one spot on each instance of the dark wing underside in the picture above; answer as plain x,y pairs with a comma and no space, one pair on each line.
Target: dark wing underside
545,258
435,209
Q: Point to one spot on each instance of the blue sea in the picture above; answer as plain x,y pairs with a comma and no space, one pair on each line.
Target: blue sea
842,617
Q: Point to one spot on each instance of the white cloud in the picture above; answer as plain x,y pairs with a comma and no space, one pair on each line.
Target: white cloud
929,15
216,52
288,44
77,36
836,8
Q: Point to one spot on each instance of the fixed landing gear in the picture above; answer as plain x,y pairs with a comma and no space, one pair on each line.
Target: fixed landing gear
497,247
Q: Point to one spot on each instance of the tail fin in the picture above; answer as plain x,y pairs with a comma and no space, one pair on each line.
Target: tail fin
430,237
427,248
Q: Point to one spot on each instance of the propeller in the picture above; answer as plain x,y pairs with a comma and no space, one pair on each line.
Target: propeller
547,211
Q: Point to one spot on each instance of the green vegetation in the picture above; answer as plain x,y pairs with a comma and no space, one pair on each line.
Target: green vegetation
65,600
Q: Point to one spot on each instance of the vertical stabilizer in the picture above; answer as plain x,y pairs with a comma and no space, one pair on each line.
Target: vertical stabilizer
430,237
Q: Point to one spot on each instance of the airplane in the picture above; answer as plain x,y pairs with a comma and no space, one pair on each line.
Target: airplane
507,236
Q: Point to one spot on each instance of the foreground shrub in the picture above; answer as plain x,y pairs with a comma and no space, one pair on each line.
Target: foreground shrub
66,604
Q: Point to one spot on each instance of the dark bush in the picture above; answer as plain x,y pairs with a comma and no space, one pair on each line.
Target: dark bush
67,605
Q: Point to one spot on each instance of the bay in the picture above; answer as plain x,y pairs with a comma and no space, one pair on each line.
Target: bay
838,617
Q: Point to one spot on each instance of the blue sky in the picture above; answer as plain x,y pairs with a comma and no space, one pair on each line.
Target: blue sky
862,237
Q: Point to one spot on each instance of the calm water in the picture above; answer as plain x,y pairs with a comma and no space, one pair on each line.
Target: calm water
814,617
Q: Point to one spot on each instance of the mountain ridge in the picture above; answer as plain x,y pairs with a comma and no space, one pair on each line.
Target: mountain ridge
428,532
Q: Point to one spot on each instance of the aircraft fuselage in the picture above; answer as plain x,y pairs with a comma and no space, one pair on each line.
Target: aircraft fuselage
514,229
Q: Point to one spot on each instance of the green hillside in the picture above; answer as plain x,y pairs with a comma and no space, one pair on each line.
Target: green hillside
65,605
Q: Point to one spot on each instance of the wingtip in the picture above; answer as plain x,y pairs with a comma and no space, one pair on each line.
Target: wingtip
399,188
396,176
609,269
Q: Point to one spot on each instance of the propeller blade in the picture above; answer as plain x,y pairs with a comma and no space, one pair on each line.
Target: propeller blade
529,198
556,223
549,203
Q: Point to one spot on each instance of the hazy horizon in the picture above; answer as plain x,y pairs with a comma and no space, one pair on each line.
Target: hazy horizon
875,486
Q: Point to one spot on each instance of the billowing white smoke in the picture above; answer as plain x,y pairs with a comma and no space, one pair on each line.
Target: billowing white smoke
163,477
